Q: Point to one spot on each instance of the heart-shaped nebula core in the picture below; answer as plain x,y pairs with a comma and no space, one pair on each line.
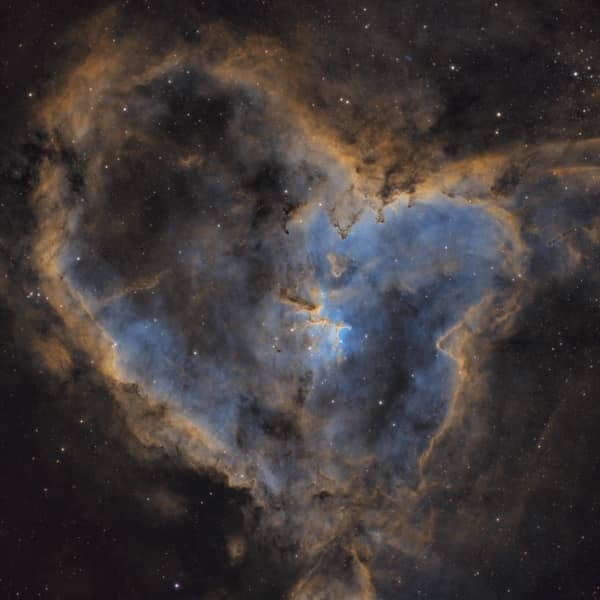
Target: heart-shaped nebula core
281,294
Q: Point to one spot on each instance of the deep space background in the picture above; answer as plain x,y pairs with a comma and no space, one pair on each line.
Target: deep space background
300,299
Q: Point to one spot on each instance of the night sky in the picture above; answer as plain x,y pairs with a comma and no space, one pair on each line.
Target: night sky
300,300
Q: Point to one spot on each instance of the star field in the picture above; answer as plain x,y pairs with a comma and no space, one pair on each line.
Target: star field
300,300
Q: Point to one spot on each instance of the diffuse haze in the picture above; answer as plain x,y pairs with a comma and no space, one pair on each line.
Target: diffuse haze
297,280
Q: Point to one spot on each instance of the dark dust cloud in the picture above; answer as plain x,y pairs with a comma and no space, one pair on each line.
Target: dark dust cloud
300,300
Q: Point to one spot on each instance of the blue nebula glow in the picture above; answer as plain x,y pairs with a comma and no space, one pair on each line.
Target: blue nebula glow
369,311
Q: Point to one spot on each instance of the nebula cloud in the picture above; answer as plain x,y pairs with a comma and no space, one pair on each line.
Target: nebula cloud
288,281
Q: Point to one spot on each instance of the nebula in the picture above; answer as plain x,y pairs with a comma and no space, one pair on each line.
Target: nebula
286,279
